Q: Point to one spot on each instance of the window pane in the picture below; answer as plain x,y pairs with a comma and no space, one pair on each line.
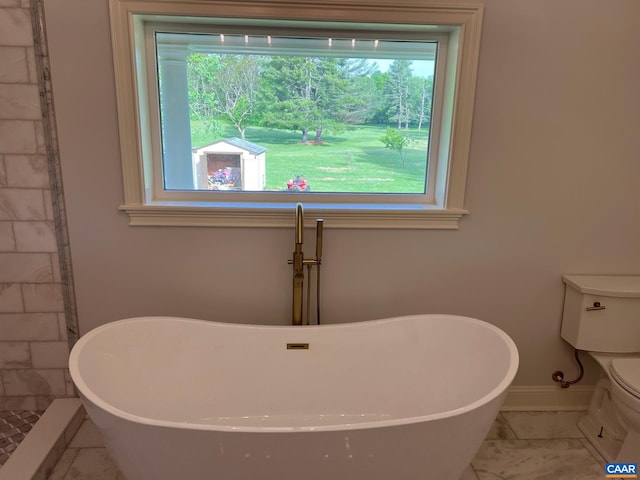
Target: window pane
317,114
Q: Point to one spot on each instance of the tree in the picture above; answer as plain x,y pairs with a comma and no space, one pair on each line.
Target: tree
423,88
237,81
289,94
201,78
355,100
398,91
394,140
316,94
294,114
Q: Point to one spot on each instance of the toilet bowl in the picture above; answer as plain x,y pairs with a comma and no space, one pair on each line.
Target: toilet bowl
602,316
626,389
612,423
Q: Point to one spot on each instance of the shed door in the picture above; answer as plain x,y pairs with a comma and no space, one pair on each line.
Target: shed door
220,161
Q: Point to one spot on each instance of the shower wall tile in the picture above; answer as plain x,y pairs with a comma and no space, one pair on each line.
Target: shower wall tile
19,101
62,327
11,298
48,205
7,239
16,27
15,355
19,403
19,382
21,204
27,171
50,354
33,332
42,297
35,237
55,265
31,65
29,326
18,136
3,173
71,389
14,67
25,267
41,144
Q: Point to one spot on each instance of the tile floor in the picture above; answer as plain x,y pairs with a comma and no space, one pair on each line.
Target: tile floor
14,426
520,445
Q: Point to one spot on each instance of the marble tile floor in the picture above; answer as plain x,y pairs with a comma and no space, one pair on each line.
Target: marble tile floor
520,446
14,426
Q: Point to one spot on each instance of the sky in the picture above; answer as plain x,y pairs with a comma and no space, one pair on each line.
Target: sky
421,68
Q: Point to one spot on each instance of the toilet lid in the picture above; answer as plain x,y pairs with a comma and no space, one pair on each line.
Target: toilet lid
627,372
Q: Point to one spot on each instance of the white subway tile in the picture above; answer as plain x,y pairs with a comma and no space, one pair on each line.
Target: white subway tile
62,324
70,385
42,297
50,354
16,27
13,68
7,239
19,102
31,65
28,402
3,173
34,382
28,327
42,403
11,298
48,205
18,136
15,355
21,204
55,266
27,171
41,143
25,267
35,236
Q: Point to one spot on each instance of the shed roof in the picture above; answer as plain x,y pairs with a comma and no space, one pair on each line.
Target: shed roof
240,143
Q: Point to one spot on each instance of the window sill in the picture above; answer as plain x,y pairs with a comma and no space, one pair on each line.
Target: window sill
281,215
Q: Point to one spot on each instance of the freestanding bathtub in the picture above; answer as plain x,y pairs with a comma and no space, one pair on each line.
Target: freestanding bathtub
396,399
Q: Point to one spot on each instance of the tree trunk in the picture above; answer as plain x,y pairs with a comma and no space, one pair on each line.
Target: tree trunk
305,135
318,134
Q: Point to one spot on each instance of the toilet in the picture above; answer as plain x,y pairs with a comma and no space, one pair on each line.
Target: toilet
602,316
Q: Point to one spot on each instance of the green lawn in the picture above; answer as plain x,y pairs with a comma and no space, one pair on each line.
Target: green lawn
354,161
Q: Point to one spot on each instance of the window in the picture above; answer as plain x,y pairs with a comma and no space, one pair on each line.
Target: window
230,119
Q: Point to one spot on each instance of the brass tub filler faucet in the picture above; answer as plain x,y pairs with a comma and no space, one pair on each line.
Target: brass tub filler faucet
298,263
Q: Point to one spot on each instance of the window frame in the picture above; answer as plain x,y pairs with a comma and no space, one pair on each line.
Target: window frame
442,207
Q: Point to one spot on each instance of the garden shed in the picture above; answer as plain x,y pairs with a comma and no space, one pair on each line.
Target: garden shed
230,164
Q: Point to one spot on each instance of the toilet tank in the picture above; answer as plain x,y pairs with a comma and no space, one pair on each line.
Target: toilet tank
602,312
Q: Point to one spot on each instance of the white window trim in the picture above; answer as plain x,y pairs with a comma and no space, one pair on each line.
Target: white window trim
450,179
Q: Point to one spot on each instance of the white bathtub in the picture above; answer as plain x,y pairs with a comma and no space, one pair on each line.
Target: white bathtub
396,399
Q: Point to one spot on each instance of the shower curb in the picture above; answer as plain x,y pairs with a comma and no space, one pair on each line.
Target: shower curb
39,452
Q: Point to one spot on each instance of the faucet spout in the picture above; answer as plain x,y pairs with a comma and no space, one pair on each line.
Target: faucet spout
298,261
299,223
298,268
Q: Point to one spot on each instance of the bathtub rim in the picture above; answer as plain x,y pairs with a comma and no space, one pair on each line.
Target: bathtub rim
88,394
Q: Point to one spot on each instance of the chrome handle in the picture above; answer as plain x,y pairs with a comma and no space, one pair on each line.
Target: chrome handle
596,306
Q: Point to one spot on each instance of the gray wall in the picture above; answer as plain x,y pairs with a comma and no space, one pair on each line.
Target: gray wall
552,189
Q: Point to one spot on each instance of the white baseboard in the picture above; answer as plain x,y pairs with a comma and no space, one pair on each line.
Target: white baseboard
545,398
